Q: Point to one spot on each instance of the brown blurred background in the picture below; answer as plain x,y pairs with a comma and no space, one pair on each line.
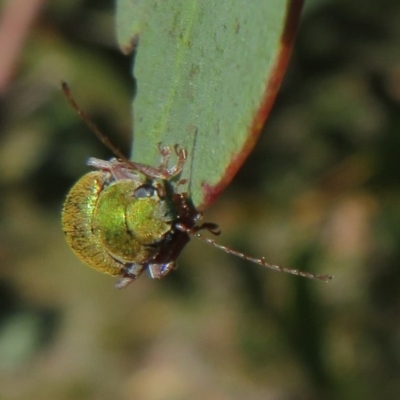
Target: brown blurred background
321,192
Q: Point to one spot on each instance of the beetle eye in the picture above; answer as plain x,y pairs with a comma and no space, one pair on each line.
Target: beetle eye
145,191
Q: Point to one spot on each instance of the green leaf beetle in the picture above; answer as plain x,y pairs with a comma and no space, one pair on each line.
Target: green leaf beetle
127,217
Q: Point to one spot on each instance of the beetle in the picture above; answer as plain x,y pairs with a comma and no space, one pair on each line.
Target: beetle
127,217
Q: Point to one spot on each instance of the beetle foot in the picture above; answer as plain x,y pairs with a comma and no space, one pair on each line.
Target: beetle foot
165,153
130,273
158,271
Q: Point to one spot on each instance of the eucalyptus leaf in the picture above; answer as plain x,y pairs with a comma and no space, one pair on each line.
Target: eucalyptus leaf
207,73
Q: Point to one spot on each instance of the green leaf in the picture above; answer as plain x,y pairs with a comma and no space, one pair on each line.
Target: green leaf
207,73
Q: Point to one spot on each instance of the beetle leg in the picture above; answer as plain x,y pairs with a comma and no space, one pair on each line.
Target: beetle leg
158,271
125,169
129,274
165,153
119,170
181,155
99,164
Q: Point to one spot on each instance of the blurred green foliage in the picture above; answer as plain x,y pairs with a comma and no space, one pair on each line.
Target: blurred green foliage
320,192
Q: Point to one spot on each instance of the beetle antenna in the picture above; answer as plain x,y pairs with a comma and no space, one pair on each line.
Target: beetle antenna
93,127
195,136
260,261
